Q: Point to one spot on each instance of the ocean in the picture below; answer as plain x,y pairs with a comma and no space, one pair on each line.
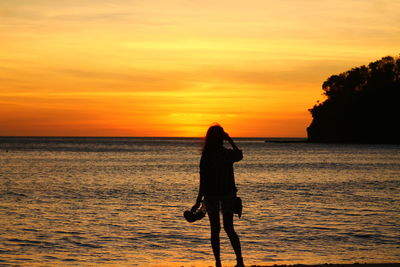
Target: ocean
119,202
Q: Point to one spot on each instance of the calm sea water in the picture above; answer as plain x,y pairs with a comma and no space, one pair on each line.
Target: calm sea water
119,202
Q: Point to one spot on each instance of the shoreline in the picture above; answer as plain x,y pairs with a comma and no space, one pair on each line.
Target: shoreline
209,264
356,264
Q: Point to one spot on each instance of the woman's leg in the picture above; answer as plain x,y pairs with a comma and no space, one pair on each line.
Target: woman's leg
233,237
215,229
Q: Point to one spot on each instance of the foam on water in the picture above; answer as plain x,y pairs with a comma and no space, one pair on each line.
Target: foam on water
119,201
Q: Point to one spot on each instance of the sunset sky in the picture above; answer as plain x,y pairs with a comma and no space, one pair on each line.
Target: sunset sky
172,68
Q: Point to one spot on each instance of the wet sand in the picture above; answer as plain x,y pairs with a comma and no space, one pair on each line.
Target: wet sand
336,265
199,264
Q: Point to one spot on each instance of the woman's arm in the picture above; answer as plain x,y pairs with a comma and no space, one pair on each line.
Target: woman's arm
229,139
236,154
198,200
201,189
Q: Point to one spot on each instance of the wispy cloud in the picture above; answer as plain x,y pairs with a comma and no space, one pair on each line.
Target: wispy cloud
142,61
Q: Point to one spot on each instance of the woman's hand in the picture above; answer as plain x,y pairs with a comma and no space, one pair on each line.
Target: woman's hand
227,137
196,206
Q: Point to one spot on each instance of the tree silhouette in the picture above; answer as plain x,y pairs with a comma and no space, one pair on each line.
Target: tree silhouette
362,105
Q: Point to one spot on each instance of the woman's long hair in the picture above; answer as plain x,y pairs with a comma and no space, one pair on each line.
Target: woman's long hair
214,139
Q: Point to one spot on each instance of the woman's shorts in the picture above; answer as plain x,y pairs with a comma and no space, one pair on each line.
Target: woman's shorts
225,204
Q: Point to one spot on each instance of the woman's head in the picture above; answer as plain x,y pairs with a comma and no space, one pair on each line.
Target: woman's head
214,137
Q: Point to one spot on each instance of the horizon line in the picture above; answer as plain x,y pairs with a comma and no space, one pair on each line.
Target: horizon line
89,136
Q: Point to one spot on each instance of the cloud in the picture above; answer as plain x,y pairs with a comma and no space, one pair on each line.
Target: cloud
75,13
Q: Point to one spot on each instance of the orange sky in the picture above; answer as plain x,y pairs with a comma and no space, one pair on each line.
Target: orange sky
172,68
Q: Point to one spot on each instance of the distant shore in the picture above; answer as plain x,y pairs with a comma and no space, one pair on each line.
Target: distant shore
285,140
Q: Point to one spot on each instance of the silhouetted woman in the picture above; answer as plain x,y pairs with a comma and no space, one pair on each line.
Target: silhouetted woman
217,186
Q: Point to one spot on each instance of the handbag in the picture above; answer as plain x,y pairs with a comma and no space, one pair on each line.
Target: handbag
238,207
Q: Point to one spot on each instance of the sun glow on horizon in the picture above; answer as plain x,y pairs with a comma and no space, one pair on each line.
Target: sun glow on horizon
151,68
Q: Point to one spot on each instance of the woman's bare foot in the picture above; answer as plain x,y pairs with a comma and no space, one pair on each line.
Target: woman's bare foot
239,262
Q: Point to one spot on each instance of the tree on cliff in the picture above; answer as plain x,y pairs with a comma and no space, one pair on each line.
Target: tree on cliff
362,105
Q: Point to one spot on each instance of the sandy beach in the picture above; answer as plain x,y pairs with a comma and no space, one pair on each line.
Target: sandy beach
336,265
